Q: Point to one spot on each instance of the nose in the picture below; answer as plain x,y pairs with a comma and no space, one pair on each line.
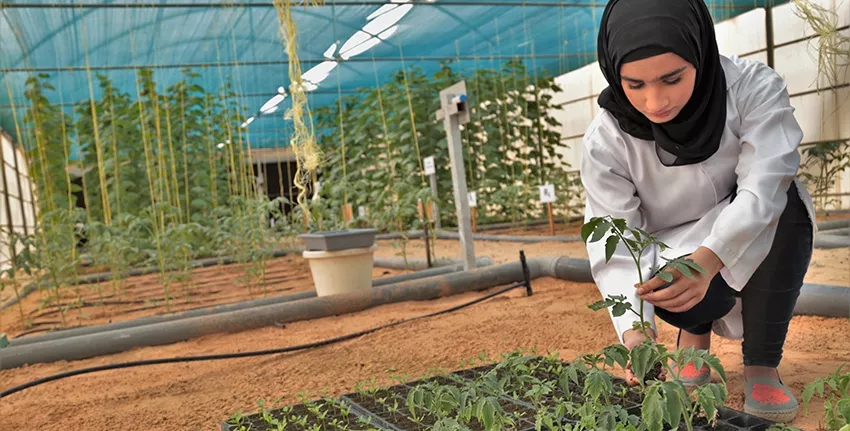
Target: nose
656,100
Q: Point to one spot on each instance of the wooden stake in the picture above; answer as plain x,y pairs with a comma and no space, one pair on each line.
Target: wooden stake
474,219
347,213
551,218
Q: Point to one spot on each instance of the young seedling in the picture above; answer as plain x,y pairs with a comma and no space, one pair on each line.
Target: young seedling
834,389
637,241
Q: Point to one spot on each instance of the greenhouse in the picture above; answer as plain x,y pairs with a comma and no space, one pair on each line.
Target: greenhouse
376,215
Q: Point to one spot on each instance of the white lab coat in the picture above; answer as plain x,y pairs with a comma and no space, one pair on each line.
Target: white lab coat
688,206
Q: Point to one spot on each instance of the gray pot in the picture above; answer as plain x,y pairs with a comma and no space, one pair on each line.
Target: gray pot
339,239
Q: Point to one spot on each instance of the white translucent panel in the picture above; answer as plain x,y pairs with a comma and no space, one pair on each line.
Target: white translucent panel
760,56
578,117
574,85
386,34
354,40
381,10
22,163
844,114
273,102
818,115
743,34
798,64
17,214
4,218
788,26
387,20
571,154
8,153
329,54
12,181
26,188
319,72
29,216
597,79
842,9
360,48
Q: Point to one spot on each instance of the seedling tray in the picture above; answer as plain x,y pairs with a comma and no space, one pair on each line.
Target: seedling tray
385,409
339,240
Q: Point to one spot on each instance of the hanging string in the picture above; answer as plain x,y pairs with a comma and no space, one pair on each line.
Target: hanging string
412,116
341,115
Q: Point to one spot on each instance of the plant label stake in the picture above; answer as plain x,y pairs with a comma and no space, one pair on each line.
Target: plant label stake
420,208
431,170
454,112
547,196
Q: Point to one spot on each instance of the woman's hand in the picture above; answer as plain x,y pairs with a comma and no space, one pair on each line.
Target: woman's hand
684,292
632,338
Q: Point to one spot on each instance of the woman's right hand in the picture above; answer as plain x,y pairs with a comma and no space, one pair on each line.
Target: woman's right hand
632,338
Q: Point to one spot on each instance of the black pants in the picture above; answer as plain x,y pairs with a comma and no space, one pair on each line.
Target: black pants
768,299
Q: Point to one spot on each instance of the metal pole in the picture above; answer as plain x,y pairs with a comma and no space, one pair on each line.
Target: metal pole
433,179
452,113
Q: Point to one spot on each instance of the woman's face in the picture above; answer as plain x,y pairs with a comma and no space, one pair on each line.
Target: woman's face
660,86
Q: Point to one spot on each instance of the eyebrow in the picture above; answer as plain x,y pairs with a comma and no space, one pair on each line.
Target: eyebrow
665,76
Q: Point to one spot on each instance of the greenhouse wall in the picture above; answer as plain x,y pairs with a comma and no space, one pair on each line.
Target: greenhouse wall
16,198
822,107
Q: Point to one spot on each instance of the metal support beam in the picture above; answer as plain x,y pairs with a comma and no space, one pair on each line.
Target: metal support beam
454,112
284,62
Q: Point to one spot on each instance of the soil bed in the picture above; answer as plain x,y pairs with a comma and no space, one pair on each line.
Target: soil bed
199,396
144,295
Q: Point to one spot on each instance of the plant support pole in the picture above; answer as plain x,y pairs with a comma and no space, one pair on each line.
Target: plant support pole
453,113
436,210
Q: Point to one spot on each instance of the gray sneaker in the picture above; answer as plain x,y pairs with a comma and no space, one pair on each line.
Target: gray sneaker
770,399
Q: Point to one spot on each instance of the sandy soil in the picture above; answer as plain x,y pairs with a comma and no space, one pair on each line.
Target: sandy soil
197,396
141,296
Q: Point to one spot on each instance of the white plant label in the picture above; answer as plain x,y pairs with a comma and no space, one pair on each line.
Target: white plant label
547,193
428,163
473,199
361,211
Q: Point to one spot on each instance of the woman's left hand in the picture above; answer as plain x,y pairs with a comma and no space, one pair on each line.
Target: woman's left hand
684,292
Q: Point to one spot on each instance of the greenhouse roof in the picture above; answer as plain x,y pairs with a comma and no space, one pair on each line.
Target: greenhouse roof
342,45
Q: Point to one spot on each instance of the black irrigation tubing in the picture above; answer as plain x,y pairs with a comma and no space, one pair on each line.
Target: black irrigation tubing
43,380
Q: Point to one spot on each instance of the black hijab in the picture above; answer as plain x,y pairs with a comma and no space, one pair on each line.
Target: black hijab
637,29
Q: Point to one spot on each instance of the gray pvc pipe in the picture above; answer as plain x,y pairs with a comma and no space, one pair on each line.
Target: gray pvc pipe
511,238
840,231
825,241
823,300
833,224
419,264
206,311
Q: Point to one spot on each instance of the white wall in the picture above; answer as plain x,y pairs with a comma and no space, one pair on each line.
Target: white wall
16,199
823,116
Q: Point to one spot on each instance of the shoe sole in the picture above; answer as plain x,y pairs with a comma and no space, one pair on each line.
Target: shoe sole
778,416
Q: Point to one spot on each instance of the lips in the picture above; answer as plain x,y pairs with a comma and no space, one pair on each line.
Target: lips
662,113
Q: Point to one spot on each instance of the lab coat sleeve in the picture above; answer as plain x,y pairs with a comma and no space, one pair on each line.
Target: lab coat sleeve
610,191
743,233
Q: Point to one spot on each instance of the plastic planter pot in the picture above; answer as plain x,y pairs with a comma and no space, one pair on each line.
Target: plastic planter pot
342,271
339,240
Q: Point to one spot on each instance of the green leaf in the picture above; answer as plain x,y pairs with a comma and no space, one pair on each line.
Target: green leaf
843,408
641,357
597,383
599,305
620,224
674,403
588,228
694,265
488,413
620,309
666,276
652,410
616,353
611,246
600,231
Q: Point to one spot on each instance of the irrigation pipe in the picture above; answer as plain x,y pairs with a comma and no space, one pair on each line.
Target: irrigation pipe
206,311
830,225
67,374
524,239
422,264
826,241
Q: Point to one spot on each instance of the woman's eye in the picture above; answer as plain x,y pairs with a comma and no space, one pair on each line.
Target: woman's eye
636,86
673,81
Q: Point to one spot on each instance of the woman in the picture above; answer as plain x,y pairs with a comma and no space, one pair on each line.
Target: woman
701,151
